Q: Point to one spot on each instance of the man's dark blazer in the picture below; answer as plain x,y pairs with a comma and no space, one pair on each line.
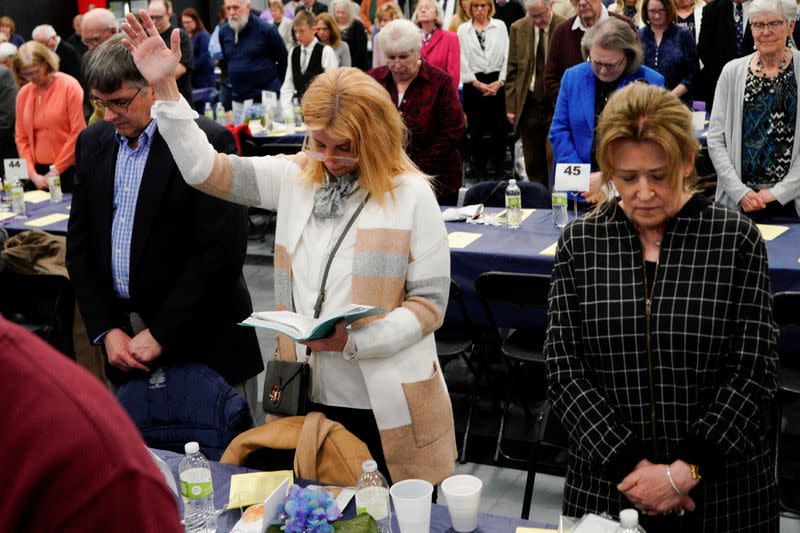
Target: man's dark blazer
717,45
69,60
187,252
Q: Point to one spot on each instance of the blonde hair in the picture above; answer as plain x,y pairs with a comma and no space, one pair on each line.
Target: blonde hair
33,53
642,113
388,10
620,10
348,103
489,4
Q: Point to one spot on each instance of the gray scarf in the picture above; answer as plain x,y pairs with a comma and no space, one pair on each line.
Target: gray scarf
329,199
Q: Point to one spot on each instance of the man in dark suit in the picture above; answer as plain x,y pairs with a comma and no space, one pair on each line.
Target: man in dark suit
156,265
313,6
724,35
69,60
528,107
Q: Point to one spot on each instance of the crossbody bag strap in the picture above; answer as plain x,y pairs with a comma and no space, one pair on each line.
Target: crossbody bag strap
321,297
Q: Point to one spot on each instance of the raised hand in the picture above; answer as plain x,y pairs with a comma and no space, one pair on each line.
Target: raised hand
155,61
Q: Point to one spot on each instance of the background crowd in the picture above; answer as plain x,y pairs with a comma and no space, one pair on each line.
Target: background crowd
456,82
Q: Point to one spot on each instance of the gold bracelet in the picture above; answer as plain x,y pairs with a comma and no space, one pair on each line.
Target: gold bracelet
695,472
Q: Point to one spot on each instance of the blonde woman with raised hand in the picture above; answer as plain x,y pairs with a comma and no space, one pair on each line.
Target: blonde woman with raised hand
381,379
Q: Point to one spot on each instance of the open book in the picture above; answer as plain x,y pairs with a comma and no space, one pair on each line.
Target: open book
305,328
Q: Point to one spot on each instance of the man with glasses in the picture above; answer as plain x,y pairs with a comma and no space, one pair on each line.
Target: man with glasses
156,265
566,49
528,107
69,62
161,13
724,35
98,26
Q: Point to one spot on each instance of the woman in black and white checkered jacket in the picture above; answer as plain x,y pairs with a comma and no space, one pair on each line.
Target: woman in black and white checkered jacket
661,344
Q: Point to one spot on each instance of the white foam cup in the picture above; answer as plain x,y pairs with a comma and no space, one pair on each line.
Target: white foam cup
698,120
412,505
463,496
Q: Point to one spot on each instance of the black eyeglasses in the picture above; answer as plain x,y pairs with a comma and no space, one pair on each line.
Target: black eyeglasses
95,40
607,66
114,105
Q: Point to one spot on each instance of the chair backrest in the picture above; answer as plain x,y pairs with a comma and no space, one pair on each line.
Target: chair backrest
45,300
493,194
456,309
186,402
514,300
785,307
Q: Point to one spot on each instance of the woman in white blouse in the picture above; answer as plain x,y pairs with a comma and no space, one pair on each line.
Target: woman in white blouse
484,53
381,378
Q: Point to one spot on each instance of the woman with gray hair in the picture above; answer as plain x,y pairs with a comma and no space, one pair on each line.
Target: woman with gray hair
353,31
428,102
614,59
440,48
753,137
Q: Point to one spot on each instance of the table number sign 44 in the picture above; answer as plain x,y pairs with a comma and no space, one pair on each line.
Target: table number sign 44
15,168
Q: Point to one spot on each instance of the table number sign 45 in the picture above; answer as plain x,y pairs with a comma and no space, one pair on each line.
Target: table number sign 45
15,168
572,177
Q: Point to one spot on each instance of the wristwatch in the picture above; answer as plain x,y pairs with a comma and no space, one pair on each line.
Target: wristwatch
694,470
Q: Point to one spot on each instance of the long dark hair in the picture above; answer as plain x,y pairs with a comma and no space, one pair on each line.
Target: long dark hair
195,16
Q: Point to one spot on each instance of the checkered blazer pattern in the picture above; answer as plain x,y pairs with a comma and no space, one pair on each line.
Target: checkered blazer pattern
701,394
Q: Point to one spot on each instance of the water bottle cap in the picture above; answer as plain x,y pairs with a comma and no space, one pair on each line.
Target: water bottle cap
369,466
191,447
512,181
52,168
629,518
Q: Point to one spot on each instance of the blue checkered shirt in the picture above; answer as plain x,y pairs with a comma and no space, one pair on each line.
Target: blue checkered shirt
127,180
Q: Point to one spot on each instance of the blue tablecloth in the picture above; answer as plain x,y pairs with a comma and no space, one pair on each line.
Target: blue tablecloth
500,248
440,518
34,211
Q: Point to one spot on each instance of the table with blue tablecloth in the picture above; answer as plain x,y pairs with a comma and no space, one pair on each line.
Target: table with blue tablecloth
520,250
36,212
440,518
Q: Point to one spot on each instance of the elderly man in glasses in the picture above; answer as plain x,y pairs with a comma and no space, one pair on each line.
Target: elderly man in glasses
156,265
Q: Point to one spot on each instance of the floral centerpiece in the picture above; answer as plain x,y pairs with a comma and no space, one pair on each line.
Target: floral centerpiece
313,510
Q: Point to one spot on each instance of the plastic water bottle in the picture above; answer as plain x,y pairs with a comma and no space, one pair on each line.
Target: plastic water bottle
54,183
17,197
560,216
372,496
513,204
297,111
288,120
197,491
220,114
208,111
629,522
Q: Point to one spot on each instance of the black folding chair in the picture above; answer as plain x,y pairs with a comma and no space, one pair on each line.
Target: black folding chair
518,303
787,470
493,194
42,304
455,340
548,435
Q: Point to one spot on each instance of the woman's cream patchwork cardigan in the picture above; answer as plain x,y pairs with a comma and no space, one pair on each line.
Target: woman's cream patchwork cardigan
401,264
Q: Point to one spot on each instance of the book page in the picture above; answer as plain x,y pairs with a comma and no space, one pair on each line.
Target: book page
292,324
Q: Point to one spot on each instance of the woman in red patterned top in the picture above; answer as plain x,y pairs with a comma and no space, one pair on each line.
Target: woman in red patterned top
428,102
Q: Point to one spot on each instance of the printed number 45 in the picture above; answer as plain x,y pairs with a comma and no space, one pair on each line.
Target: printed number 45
573,170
